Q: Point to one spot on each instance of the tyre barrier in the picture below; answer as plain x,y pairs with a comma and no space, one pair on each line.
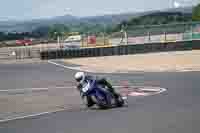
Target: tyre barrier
120,50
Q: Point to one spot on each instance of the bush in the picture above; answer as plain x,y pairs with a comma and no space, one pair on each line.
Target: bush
196,13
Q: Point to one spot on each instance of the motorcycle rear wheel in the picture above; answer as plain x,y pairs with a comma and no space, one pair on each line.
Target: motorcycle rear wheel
120,101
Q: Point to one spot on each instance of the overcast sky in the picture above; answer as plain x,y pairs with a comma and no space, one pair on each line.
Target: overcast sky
31,9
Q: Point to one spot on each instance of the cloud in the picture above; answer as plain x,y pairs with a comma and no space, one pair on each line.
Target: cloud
176,4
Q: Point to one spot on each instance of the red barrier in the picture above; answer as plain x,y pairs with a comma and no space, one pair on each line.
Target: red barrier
92,39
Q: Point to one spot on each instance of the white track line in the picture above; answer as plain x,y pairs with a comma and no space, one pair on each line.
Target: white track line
37,89
43,113
85,70
49,112
72,68
60,65
156,91
25,89
29,116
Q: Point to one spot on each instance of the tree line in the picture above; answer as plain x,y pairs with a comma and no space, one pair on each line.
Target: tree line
85,28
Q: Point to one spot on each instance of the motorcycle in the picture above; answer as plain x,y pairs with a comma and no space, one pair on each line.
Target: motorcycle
100,96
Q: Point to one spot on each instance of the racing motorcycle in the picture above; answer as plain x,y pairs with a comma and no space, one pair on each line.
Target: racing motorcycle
100,96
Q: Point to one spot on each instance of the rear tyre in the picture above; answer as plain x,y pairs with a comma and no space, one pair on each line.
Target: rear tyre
119,101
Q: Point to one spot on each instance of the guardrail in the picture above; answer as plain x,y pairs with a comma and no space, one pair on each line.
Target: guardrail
121,50
19,53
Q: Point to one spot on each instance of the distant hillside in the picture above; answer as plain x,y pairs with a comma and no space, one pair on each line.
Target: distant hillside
27,26
156,18
185,10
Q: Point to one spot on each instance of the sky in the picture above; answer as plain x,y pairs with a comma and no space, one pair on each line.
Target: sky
35,9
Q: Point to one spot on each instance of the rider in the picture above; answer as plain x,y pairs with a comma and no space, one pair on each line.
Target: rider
82,78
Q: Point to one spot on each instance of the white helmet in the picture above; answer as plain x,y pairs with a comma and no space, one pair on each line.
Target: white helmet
80,77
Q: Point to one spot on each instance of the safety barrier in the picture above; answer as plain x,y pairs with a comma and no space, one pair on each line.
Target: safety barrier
120,50
12,53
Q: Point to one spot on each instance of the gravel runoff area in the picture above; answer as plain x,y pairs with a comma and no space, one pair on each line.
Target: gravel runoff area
151,62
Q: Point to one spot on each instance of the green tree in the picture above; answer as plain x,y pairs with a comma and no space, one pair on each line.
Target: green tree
196,13
2,36
41,31
58,30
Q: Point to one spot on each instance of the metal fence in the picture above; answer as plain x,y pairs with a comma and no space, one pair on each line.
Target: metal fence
12,53
157,33
155,38
131,36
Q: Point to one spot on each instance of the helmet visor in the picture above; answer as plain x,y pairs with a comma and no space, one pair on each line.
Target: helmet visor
79,79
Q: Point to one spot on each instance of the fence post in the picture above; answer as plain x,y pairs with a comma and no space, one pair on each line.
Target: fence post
165,36
16,54
87,39
191,32
149,36
104,41
126,37
81,41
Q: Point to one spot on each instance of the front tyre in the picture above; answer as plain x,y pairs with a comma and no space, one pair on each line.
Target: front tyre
88,102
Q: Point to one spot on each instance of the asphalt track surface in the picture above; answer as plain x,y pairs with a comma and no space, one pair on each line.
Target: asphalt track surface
174,111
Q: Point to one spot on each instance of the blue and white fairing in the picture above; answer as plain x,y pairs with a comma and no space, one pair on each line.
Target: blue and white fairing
97,93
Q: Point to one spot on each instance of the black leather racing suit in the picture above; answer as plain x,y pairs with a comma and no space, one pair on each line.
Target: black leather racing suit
101,81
